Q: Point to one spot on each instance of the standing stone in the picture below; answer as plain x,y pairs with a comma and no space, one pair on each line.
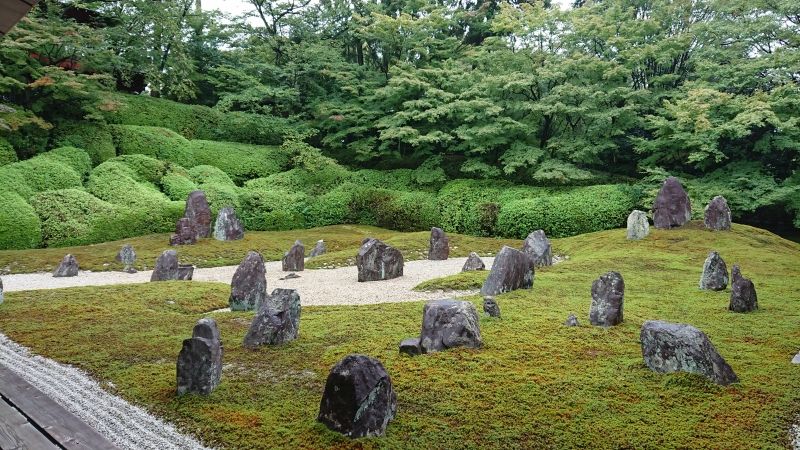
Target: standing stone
743,293
359,399
511,270
638,226
572,321
491,307
127,256
166,267
2,295
277,321
294,259
608,294
199,214
319,249
67,268
228,227
715,273
671,207
184,233
377,261
718,214
185,272
677,347
473,262
538,249
449,323
199,365
249,284
439,248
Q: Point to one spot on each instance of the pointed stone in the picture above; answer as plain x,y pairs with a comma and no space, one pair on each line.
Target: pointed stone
166,266
717,216
439,249
715,273
67,268
294,259
511,270
671,208
743,293
228,227
538,248
608,295
638,226
473,262
249,284
199,214
319,249
377,261
277,321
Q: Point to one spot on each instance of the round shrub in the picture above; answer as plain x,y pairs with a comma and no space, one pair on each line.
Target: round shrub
157,142
75,217
19,225
220,195
332,208
273,209
94,138
209,174
43,173
177,186
76,158
7,153
144,167
241,162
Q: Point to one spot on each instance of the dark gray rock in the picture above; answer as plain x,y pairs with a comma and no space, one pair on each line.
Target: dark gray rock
717,215
473,262
572,321
359,399
377,261
294,259
290,276
2,295
277,321
677,347
249,284
511,270
67,268
166,266
127,256
228,227
184,233
185,272
743,293
715,273
199,214
199,367
538,249
608,294
449,323
491,307
638,226
671,207
439,249
410,346
319,249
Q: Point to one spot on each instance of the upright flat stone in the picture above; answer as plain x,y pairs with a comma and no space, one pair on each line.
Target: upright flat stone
2,295
294,259
638,226
249,284
608,295
439,248
228,227
677,347
67,268
127,256
166,266
717,216
199,367
473,262
511,270
715,273
277,321
743,293
538,249
449,323
490,307
185,233
377,261
199,214
319,249
671,207
359,399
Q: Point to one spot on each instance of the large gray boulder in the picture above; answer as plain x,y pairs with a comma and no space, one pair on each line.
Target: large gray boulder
743,293
538,249
67,268
439,245
184,233
608,295
377,261
715,273
294,259
717,216
199,367
511,270
473,262
449,323
359,399
228,227
277,321
127,256
249,284
638,226
199,214
671,207
677,347
319,249
166,266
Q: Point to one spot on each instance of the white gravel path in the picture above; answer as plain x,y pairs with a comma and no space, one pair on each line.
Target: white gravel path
127,426
316,287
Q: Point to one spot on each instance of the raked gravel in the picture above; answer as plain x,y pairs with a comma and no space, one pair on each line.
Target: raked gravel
338,286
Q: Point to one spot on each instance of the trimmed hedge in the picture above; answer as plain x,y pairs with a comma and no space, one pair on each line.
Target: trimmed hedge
177,186
40,173
92,137
157,142
209,174
241,162
19,225
76,158
144,167
273,209
409,211
75,217
7,153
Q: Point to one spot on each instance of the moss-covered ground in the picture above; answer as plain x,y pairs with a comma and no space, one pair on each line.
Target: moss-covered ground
534,384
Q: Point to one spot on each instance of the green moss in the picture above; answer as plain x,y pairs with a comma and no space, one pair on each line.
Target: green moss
463,281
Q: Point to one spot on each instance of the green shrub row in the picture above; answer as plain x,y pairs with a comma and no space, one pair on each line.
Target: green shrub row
95,138
52,170
242,162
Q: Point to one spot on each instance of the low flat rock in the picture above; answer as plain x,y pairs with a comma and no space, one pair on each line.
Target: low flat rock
166,266
377,261
249,284
359,399
473,262
511,270
294,259
199,214
410,346
319,249
538,248
449,323
608,295
67,268
715,273
676,347
638,225
743,293
199,366
717,215
277,321
672,207
439,248
228,227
